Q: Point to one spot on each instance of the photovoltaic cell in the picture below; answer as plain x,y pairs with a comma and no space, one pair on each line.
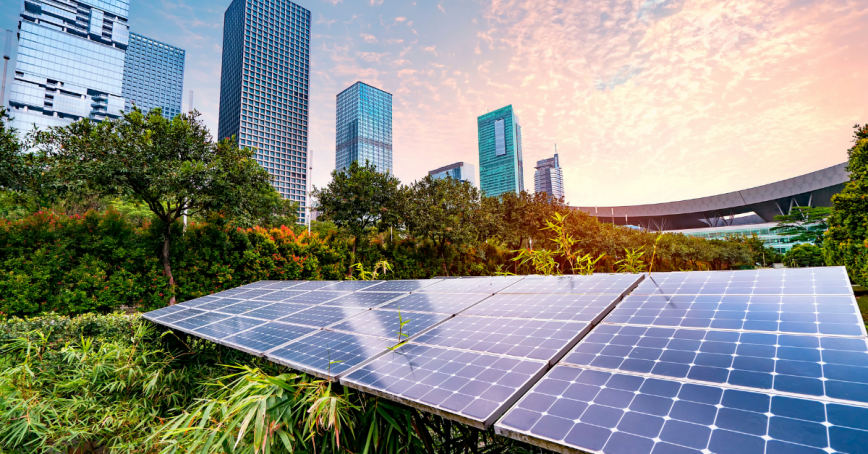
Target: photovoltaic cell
801,314
410,285
597,411
280,295
387,323
487,285
253,293
198,321
219,303
322,316
366,300
472,388
165,311
315,297
790,281
533,339
586,308
313,285
614,284
227,327
351,286
198,301
169,317
266,337
329,354
243,307
277,310
438,303
281,285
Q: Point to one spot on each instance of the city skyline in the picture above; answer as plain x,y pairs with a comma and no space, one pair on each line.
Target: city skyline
689,91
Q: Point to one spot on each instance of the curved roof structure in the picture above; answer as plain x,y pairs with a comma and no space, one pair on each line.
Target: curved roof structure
766,201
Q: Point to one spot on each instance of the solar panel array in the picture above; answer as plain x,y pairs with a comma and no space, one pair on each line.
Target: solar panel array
464,348
767,361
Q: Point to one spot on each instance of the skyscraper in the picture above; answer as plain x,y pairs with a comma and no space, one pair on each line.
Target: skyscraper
363,127
463,171
264,88
549,177
500,161
153,76
70,62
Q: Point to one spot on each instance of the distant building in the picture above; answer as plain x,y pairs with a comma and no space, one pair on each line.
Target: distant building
70,62
363,127
463,171
153,76
264,88
500,157
549,177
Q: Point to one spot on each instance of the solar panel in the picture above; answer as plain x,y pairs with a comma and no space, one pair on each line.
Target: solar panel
366,300
281,285
315,297
351,286
438,303
227,327
587,308
409,285
321,316
487,285
242,307
533,339
805,314
277,310
834,367
164,311
253,293
197,321
387,323
262,338
313,285
615,284
472,388
218,303
789,281
329,354
170,317
198,301
598,411
280,295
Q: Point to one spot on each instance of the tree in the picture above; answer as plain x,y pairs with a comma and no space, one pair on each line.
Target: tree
804,224
359,198
804,255
445,211
847,240
521,216
172,166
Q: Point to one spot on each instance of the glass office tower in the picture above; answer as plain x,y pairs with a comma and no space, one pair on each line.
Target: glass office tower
264,88
463,171
70,62
153,76
363,127
549,177
500,161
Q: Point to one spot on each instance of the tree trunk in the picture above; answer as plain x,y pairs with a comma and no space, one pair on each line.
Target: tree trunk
167,269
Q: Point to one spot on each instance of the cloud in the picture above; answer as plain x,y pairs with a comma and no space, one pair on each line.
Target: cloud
400,19
430,49
368,38
372,56
441,8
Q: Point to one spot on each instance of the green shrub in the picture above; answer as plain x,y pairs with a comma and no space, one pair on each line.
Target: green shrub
804,255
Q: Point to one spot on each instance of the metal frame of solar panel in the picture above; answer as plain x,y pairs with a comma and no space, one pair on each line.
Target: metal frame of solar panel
449,377
647,388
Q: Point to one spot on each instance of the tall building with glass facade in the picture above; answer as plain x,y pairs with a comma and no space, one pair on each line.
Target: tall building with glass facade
70,62
463,171
549,177
153,76
363,127
264,88
500,160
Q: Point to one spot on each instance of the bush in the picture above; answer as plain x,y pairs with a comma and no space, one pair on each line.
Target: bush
804,255
846,241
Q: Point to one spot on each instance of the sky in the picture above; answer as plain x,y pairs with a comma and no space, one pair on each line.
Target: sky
647,100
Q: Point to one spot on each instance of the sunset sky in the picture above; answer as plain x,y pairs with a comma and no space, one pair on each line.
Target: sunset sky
648,101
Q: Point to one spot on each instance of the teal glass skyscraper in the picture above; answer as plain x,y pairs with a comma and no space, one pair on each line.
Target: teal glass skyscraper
363,127
500,161
153,76
70,62
264,88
